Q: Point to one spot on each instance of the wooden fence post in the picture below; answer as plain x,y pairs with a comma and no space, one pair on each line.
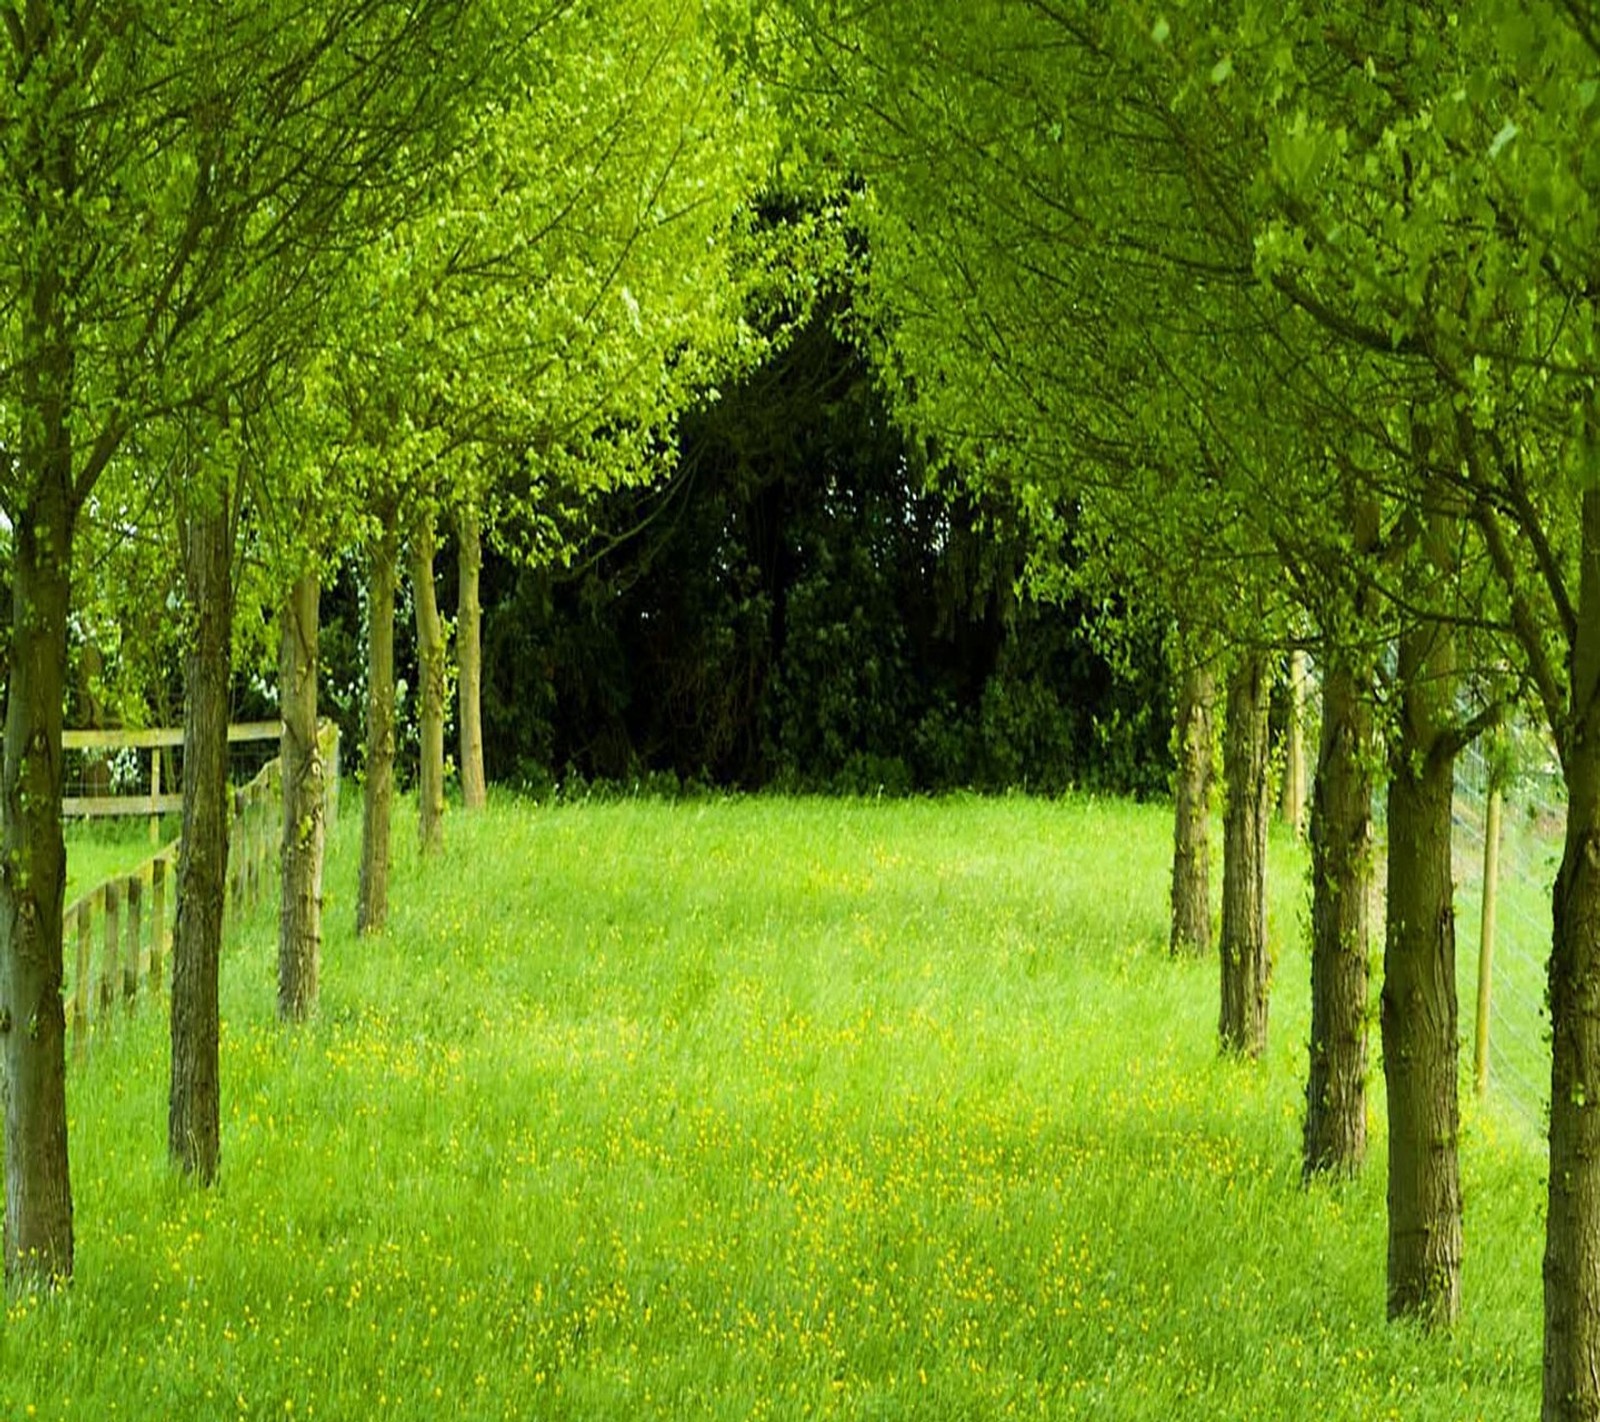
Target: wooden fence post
130,968
1491,895
109,953
158,924
80,983
234,880
257,869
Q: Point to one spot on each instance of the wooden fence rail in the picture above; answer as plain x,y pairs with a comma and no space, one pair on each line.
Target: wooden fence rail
154,739
135,912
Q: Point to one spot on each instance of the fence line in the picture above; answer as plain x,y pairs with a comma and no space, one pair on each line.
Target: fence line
154,739
134,953
1516,1066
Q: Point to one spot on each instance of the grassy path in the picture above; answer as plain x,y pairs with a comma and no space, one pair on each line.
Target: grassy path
761,1109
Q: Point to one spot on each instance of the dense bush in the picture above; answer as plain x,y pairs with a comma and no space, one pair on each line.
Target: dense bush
796,608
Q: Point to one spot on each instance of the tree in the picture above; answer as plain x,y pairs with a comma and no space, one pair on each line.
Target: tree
543,316
1082,262
149,164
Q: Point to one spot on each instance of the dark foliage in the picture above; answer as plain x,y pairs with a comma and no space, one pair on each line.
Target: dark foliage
797,609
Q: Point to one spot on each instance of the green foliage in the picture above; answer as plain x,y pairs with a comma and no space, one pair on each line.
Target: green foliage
752,1107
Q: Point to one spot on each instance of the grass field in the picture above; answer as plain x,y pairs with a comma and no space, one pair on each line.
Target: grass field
99,849
759,1109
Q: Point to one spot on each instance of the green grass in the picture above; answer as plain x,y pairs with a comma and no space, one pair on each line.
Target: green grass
759,1109
98,850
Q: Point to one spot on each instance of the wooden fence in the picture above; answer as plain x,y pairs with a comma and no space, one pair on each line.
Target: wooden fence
116,939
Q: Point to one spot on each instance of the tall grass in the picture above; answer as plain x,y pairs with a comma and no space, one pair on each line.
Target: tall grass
759,1109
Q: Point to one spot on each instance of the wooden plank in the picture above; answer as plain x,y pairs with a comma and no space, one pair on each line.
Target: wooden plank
109,953
91,806
233,902
83,911
255,731
147,737
123,739
247,847
130,964
158,924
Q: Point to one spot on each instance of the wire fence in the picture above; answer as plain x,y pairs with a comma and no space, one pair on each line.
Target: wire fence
1532,827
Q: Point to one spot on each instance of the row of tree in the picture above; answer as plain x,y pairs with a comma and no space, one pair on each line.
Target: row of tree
1278,326
1293,308
294,290
285,281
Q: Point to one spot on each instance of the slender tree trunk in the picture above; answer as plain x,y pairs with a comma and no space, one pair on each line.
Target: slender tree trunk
1572,1223
1293,807
469,653
304,789
377,798
430,673
194,1141
1246,966
1335,1140
38,1205
1419,991
1191,834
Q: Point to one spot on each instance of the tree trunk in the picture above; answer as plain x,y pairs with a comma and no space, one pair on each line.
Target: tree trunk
469,653
1572,1222
1419,990
430,673
1191,835
1246,967
1293,807
38,1239
1335,1141
377,797
304,790
194,1104
38,1205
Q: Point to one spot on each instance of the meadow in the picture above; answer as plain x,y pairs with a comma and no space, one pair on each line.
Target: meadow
759,1108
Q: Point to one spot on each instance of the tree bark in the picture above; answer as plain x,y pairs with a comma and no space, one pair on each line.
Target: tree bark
469,654
430,673
38,1205
1335,1140
1191,834
304,790
377,797
1246,968
194,1102
1572,1222
38,1236
1419,990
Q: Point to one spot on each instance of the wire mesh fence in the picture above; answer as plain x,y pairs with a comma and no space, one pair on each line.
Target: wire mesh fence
1532,828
